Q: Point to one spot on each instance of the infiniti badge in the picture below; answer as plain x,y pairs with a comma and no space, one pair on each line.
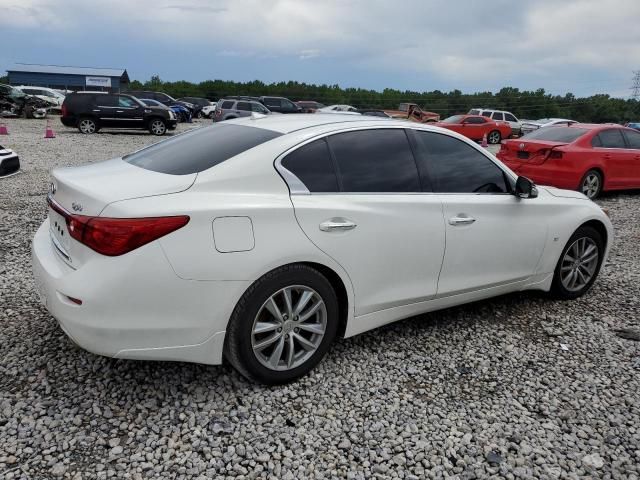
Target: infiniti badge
52,188
77,207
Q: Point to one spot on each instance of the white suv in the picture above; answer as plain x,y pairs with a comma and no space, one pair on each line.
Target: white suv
43,93
500,115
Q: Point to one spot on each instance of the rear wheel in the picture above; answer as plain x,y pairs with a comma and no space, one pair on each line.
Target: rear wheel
494,137
579,264
591,184
283,325
157,126
87,126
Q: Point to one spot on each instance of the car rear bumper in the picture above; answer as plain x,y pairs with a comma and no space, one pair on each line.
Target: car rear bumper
134,306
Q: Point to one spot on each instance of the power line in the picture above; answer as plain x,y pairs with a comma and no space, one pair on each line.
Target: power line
635,89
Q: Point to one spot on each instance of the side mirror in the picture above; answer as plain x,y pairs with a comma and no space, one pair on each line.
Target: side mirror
525,188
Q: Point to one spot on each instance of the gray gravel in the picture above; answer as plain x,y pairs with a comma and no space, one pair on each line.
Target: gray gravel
484,390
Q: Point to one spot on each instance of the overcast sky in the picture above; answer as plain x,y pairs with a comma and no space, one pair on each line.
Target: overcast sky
581,46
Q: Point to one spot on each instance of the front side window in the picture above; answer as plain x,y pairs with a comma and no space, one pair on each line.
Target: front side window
107,101
611,138
375,161
126,102
272,102
312,164
633,138
509,118
455,167
244,106
475,120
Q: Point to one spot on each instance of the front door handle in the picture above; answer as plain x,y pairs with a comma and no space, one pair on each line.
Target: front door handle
337,224
459,220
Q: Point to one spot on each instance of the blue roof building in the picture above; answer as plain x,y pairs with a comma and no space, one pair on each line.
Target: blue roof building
68,78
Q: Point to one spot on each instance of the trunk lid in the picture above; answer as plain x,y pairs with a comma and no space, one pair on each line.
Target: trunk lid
534,152
87,190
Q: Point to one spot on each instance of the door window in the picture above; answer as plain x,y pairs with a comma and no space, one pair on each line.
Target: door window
633,138
509,118
107,101
455,167
227,105
377,161
612,138
497,116
126,102
475,120
258,108
312,164
244,106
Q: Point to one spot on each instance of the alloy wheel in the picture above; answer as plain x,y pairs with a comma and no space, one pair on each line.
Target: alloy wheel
289,328
591,185
579,264
494,137
87,126
157,127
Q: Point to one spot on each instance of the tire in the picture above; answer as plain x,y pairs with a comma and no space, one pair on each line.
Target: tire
591,184
29,111
87,125
242,343
494,137
199,114
157,127
561,286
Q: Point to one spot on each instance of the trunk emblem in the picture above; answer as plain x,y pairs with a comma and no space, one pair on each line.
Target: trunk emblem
77,207
52,188
521,146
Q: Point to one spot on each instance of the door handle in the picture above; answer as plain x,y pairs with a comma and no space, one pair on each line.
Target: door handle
459,220
96,110
337,224
119,111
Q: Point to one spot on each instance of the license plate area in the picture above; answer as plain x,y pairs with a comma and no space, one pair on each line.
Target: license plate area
523,155
59,234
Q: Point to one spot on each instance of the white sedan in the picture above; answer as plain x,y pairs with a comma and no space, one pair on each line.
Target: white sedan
263,239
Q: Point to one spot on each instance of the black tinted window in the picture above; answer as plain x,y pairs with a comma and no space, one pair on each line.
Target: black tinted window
557,134
497,116
509,118
244,106
475,120
633,138
227,105
455,167
612,138
107,100
199,149
313,166
375,161
272,102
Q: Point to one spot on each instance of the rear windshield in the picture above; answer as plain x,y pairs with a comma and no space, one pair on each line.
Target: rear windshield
557,134
200,149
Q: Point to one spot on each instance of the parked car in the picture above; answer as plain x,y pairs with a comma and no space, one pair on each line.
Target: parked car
476,127
280,105
529,126
499,116
14,102
9,162
243,240
91,111
163,98
309,106
587,158
373,112
50,95
348,109
200,104
411,111
228,109
183,114
634,125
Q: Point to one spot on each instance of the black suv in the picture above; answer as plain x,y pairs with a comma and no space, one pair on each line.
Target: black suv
90,111
280,105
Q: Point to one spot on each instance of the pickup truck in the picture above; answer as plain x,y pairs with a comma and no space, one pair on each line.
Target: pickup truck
411,111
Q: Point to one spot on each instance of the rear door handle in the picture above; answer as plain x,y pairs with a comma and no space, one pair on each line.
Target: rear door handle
337,224
459,220
119,111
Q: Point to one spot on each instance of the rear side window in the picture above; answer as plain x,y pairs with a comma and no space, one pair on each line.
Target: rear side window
227,105
312,164
475,120
611,138
509,118
455,167
375,161
497,116
486,113
557,134
199,149
633,138
244,106
107,101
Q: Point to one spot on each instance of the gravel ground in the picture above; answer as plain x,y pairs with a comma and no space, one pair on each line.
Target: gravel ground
516,387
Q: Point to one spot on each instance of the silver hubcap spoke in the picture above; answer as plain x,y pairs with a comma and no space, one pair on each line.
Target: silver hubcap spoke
289,328
579,264
591,185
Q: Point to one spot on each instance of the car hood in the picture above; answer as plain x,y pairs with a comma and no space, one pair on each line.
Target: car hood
558,192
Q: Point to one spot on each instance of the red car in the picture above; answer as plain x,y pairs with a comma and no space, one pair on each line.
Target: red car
476,126
587,158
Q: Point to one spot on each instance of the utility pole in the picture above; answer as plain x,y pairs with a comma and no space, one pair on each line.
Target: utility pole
635,89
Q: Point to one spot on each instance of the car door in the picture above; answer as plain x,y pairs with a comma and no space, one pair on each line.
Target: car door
105,109
129,113
493,238
611,148
633,144
357,196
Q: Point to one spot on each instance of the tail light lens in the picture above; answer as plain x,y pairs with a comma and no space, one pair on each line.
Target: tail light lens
555,154
117,236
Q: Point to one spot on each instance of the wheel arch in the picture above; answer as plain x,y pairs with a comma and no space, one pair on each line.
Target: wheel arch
599,227
600,170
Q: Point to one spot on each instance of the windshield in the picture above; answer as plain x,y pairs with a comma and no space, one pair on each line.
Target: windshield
200,149
556,134
453,119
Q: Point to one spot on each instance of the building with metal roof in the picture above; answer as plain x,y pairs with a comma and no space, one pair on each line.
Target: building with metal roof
69,78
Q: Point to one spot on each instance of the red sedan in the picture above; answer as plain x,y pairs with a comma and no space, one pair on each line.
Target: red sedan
587,158
476,126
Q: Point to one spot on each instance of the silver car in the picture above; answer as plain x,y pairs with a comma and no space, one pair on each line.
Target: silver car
227,108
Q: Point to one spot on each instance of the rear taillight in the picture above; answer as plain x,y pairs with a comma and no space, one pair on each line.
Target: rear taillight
117,236
555,154
63,110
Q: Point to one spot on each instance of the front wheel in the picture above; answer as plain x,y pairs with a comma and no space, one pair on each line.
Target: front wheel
591,184
87,126
283,325
494,137
157,127
579,264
